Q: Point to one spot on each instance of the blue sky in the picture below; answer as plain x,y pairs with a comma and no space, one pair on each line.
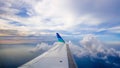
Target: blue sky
68,17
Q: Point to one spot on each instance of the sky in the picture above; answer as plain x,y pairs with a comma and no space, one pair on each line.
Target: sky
25,23
74,18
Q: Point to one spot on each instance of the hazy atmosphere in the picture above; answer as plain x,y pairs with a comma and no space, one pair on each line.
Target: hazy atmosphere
91,28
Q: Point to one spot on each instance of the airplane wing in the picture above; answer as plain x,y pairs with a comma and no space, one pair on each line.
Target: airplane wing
58,56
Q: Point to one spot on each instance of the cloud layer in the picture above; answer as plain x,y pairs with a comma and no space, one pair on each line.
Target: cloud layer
90,48
38,17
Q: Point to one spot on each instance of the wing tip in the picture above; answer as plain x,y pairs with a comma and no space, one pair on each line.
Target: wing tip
59,38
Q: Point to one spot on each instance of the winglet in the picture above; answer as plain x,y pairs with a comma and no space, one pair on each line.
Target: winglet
60,38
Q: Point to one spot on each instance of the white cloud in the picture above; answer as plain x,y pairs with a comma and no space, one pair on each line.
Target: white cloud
22,30
57,15
45,14
91,46
41,47
91,43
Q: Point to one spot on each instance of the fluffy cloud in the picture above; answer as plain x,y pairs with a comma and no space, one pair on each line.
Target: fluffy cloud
92,47
42,47
89,45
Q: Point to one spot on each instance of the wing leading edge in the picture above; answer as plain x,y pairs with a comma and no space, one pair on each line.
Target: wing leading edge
59,56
